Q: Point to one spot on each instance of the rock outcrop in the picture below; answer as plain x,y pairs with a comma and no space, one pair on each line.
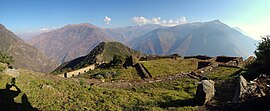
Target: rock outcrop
253,89
11,72
205,92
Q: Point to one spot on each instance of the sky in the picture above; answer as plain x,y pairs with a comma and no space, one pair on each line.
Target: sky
34,16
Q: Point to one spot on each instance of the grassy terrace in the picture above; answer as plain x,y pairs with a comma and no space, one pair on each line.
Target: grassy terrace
222,73
225,79
165,67
47,92
120,74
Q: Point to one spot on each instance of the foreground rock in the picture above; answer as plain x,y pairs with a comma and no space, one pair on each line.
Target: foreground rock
205,92
248,90
11,72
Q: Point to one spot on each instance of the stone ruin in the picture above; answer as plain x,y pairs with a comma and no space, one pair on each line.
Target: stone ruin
259,87
205,92
208,64
229,61
249,60
200,57
202,64
156,57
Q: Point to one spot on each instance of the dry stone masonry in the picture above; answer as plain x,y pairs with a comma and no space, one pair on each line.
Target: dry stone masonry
78,72
205,92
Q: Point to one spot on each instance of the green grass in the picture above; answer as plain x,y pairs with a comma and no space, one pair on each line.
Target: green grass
2,67
121,73
66,94
222,73
165,67
112,48
166,92
225,84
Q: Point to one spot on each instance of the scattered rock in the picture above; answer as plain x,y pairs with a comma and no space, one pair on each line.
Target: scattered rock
253,89
12,72
205,92
48,87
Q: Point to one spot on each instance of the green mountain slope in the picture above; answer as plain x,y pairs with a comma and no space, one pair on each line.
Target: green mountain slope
24,55
70,41
104,52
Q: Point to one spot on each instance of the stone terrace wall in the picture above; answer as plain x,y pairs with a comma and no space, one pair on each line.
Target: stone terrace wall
201,57
155,57
230,61
78,72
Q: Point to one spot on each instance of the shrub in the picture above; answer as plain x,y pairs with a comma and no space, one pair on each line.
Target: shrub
2,68
263,51
118,60
98,76
107,75
6,58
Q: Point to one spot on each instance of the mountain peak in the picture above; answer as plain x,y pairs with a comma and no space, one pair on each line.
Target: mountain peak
102,52
2,26
70,41
80,25
217,21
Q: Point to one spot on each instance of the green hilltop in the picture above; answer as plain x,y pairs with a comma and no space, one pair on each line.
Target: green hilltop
102,53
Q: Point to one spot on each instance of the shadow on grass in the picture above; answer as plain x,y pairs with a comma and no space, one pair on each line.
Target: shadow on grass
178,103
7,102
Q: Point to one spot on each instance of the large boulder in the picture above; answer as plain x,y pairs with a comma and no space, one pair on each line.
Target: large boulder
253,89
205,92
241,88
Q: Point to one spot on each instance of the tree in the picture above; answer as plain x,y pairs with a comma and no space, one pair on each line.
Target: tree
263,51
4,58
118,60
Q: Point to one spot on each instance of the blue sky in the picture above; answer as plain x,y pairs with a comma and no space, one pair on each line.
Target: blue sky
27,16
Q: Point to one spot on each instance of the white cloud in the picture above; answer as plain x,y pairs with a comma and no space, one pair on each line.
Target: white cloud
47,29
107,20
164,21
140,20
157,20
183,19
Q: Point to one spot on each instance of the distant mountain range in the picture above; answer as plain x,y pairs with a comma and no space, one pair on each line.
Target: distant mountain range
129,33
70,41
25,56
209,38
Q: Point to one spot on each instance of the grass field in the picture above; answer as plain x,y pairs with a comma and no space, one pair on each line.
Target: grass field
157,68
165,67
47,92
222,73
225,83
120,74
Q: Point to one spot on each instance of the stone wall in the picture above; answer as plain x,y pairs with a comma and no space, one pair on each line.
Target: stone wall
230,61
155,57
78,72
201,57
202,64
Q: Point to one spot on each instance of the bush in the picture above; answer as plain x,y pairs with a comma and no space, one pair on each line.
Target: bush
118,60
263,51
99,76
2,68
104,74
4,58
107,75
